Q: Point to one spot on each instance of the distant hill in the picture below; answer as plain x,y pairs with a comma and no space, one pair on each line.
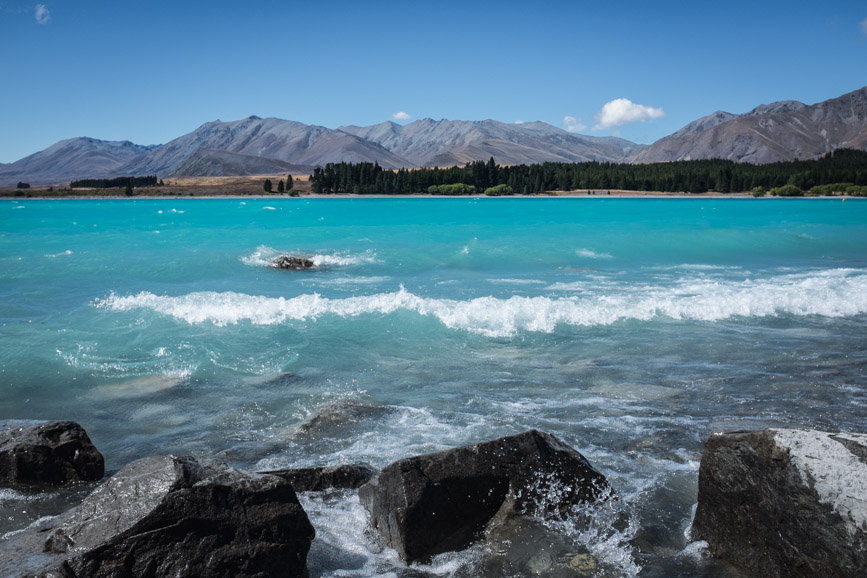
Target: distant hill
428,142
780,131
70,159
270,138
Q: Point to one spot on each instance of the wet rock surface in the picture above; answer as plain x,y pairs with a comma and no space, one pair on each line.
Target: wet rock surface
435,503
318,479
785,502
289,262
170,516
47,452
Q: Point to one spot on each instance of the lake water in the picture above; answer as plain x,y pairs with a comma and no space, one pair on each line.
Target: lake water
630,328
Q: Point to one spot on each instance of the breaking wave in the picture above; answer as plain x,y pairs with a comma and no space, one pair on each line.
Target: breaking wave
833,293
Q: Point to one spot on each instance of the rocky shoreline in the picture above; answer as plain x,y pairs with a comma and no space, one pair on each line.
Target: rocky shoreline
772,503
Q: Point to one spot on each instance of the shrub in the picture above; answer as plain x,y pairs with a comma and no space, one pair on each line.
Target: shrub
498,190
787,191
455,189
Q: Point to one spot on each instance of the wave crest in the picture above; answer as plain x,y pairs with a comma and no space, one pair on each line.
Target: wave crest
837,293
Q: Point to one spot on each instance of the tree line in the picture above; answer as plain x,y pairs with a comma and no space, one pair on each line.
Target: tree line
128,182
843,166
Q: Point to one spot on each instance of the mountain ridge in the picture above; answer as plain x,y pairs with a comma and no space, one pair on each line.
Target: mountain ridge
779,131
783,130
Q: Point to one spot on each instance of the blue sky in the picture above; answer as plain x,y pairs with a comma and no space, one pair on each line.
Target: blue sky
152,71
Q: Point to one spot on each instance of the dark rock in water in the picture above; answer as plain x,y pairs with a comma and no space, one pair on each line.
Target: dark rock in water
47,452
333,422
347,477
343,413
287,262
169,516
435,503
785,502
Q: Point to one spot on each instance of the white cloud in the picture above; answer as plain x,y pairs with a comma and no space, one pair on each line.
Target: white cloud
42,14
573,124
401,116
862,26
623,111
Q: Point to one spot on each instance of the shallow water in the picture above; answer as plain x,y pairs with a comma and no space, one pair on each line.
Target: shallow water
631,329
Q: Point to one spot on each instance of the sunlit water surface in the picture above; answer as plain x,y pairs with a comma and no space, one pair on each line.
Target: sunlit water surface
631,329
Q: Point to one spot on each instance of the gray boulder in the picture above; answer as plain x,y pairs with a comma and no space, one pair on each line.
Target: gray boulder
47,452
170,516
287,262
783,502
318,479
426,505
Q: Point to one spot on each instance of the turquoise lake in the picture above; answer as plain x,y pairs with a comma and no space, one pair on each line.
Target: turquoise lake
632,329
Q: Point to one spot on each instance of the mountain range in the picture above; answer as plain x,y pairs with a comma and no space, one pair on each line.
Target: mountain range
779,131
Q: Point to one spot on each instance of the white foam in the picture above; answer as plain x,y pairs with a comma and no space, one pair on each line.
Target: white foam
263,256
591,254
516,281
834,293
573,286
343,259
61,254
136,387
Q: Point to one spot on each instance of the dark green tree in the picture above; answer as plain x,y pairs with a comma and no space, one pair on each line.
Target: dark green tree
268,185
280,186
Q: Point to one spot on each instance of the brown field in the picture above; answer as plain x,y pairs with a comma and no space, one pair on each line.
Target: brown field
179,187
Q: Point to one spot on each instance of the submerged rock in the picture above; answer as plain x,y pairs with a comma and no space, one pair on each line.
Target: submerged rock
47,452
169,516
426,505
288,262
335,417
318,479
783,502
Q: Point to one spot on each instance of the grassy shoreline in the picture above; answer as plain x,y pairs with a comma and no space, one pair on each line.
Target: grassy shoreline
251,187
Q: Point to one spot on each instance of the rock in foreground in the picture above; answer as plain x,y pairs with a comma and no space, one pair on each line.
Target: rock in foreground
169,516
784,502
287,262
435,503
47,452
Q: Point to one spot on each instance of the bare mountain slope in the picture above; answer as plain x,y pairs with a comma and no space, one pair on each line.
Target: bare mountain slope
779,131
71,159
430,142
209,163
270,138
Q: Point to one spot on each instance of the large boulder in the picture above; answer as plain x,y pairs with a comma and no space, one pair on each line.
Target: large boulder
47,452
170,516
289,262
783,502
322,478
439,502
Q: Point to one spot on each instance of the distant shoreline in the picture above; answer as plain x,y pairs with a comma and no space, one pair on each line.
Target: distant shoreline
553,195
